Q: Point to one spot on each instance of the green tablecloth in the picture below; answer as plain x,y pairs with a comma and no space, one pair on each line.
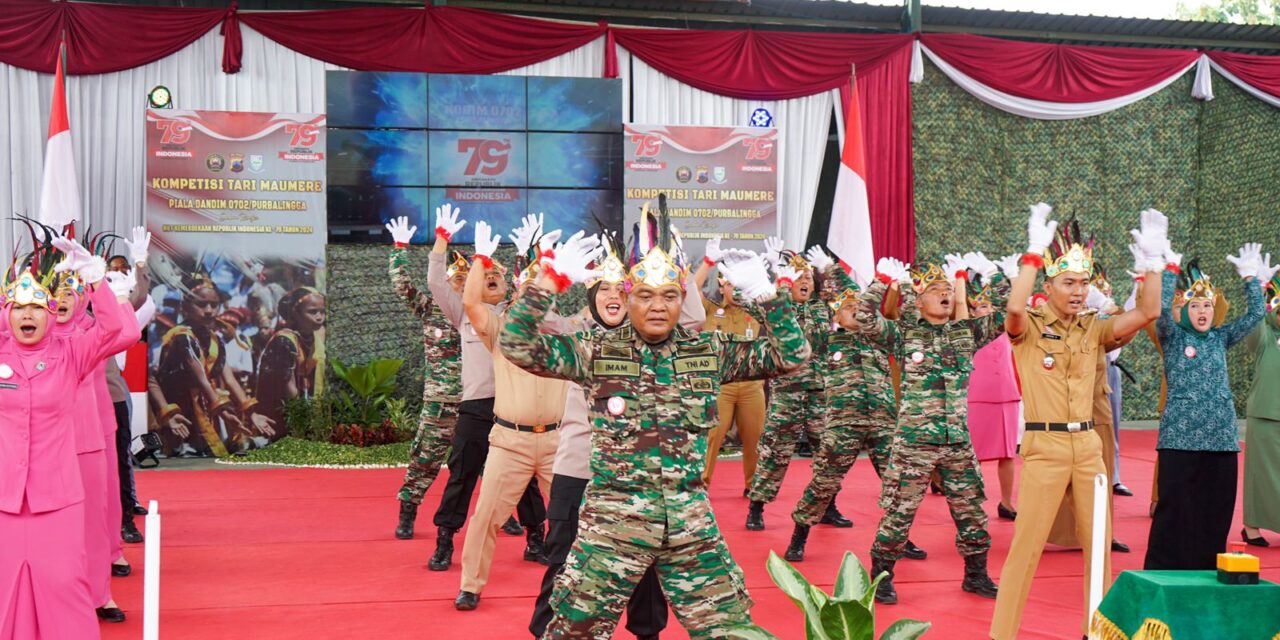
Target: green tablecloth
1187,605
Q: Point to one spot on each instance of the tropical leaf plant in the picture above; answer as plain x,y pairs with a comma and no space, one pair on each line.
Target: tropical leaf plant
369,387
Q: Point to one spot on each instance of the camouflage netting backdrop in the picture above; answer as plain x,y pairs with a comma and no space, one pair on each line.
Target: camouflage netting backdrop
1213,167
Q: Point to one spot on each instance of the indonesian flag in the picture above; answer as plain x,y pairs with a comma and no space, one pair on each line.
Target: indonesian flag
849,236
59,192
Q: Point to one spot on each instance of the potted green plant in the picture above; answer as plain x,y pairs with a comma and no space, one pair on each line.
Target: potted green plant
847,614
361,407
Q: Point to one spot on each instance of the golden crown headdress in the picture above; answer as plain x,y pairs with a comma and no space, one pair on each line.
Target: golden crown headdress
27,289
1194,283
610,266
655,257
69,281
1070,252
848,296
794,260
1271,292
929,274
978,291
457,264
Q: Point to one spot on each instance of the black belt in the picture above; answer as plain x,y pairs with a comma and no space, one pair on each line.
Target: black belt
1071,427
527,428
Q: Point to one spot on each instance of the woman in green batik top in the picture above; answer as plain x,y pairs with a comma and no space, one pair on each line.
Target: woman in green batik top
1262,437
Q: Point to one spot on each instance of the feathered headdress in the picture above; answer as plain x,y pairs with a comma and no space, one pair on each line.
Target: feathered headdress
1070,251
926,275
794,260
847,297
656,258
1195,284
1099,279
528,265
457,264
610,264
1271,292
978,291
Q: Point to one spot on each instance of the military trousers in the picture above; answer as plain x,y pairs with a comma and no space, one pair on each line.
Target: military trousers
703,584
837,451
429,448
647,608
467,455
741,403
1054,464
910,466
791,413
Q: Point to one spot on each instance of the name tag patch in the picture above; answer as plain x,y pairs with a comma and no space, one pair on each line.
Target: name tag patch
1050,336
615,351
602,367
699,363
8,385
702,385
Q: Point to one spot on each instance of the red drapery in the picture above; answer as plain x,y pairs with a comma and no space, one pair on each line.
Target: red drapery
1260,72
1055,72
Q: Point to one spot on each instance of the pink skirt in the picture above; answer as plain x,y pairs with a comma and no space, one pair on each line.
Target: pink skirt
44,593
115,510
97,536
993,427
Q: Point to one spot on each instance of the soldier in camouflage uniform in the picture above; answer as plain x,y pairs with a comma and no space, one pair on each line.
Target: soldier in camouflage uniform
932,431
441,386
861,410
797,403
652,387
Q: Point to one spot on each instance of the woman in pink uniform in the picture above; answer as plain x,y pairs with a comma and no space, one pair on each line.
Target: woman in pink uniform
993,402
44,587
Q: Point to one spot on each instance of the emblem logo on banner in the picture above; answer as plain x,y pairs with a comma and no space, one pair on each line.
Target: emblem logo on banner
761,118
255,163
237,162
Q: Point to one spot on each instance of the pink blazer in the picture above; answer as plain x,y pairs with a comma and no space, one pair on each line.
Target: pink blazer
37,437
993,378
95,421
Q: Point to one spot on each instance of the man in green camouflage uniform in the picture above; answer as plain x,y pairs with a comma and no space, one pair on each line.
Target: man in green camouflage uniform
797,402
652,387
932,431
861,409
441,386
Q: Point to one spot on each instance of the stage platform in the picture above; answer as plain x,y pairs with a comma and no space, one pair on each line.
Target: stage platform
309,554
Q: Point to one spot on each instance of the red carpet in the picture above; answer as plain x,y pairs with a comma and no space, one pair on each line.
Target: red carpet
306,553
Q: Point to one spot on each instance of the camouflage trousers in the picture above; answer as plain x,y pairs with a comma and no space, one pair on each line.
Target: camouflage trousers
430,444
837,451
790,414
704,585
910,466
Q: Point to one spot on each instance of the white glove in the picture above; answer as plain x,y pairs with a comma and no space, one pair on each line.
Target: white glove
713,250
772,250
1266,271
486,240
818,258
522,236
894,268
548,240
1010,265
747,272
1151,237
573,258
1040,229
1249,260
138,243
76,256
121,283
980,263
447,222
93,270
786,272
401,232
1096,299
1171,257
954,265
1141,263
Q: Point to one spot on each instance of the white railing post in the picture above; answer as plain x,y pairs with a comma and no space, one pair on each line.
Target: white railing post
1101,545
151,576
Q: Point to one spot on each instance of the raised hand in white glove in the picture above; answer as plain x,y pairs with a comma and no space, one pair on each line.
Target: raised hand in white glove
1143,264
894,269
1152,236
1097,300
75,257
1010,265
448,221
772,251
1266,271
573,258
980,263
1040,229
138,244
818,258
1170,256
121,283
401,232
548,240
955,266
746,271
486,240
901,271
786,273
1249,260
713,251
522,236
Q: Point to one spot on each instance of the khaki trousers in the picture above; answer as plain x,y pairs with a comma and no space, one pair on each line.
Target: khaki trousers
514,458
1055,465
1063,533
742,402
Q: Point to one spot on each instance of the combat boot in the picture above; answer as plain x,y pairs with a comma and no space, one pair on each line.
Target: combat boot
976,580
408,514
511,527
795,551
443,557
533,549
885,593
912,552
834,518
755,516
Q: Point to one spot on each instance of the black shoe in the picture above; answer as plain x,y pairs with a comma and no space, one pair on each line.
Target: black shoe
139,510
976,580
1005,514
746,491
1119,547
885,593
1254,542
466,601
408,514
110,614
1121,490
512,528
755,516
652,637
129,532
795,551
912,552
533,549
443,556
121,570
804,450
834,518
935,488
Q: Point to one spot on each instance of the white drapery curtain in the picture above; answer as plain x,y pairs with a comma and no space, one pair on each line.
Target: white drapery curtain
803,125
